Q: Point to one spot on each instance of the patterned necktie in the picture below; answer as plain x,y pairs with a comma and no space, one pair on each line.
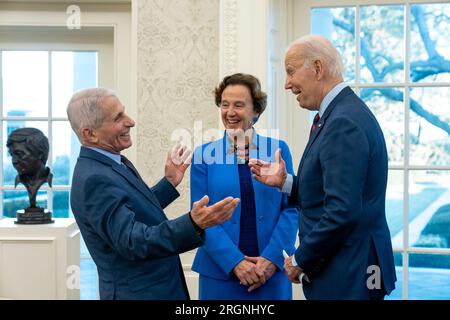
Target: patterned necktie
314,125
130,166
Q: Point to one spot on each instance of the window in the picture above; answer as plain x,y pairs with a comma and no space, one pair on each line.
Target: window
41,67
36,87
397,58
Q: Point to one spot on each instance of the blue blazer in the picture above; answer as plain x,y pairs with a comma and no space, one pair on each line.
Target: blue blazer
214,172
126,231
340,189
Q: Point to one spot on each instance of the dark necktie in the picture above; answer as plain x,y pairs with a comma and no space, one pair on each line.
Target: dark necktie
314,125
130,166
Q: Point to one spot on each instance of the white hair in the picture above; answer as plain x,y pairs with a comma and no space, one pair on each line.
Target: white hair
315,47
84,109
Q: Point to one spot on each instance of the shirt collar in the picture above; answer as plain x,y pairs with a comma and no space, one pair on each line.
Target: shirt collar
113,156
330,96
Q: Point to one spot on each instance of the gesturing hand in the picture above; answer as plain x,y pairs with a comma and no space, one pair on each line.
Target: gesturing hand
178,160
206,217
271,174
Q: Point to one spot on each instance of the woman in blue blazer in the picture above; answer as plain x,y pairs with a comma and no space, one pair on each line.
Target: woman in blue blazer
243,257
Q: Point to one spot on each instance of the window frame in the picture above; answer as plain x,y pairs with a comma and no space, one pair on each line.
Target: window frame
104,76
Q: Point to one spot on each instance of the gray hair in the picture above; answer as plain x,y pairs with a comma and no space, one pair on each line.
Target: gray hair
318,47
84,109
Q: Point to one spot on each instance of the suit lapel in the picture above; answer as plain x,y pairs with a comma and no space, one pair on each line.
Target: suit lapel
311,141
136,183
123,171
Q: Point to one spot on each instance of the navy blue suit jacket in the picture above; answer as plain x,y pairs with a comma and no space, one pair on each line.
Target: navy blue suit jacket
133,244
340,189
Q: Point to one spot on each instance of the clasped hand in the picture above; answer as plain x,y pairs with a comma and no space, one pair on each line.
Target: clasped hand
254,272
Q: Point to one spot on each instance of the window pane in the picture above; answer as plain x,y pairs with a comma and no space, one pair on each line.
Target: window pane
88,280
14,200
429,209
430,42
394,207
429,126
25,83
60,204
9,173
338,25
382,43
388,107
89,275
429,277
84,252
71,71
66,148
62,82
397,293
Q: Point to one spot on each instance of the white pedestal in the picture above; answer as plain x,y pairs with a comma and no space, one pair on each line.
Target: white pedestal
40,261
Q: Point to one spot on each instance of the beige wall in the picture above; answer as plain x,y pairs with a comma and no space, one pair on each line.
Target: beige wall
178,67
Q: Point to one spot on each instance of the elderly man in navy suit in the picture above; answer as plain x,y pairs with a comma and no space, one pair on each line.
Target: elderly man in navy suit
345,247
121,219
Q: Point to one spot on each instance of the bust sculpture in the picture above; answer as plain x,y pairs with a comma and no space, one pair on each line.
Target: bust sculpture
29,149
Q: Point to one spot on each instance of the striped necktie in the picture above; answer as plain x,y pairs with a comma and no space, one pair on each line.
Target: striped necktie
314,125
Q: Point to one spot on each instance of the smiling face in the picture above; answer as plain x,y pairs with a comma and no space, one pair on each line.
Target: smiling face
302,80
114,133
236,107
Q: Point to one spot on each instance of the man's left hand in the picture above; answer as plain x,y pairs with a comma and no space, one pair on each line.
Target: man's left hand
292,272
178,160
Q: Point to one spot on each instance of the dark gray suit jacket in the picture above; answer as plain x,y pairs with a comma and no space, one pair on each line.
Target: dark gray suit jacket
130,239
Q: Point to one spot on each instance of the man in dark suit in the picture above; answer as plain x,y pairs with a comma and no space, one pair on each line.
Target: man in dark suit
345,247
121,219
